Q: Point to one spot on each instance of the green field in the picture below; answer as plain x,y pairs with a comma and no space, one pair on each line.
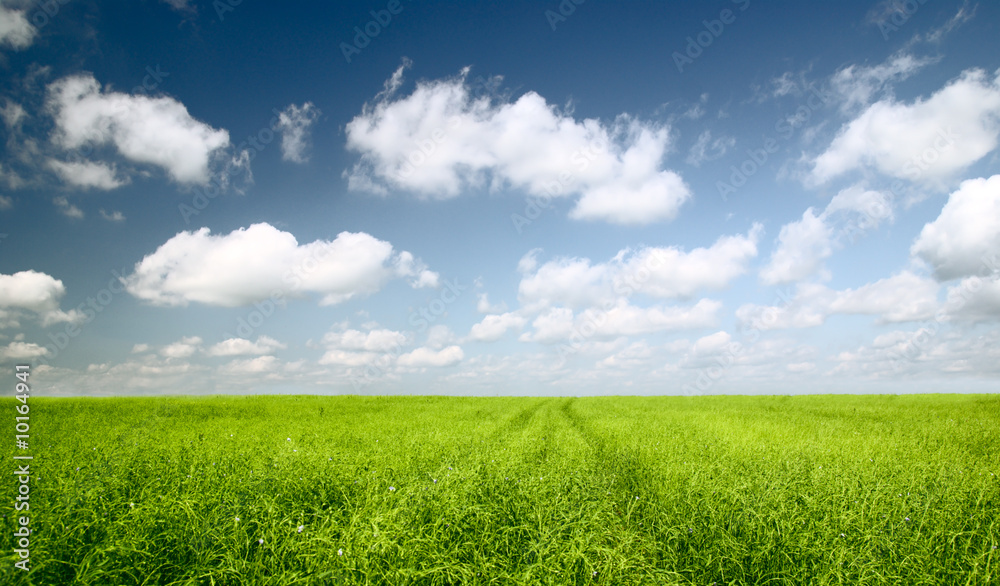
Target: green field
436,490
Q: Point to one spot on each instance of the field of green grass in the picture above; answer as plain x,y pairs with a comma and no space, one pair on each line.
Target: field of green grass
433,490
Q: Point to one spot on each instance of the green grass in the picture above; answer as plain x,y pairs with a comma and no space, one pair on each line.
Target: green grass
435,490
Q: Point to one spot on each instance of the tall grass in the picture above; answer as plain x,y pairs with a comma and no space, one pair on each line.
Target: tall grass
434,490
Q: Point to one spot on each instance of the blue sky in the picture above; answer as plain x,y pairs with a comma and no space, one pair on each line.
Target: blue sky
500,198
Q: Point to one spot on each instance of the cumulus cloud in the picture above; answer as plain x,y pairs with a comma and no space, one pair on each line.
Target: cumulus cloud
87,174
157,131
380,340
356,348
661,272
15,30
36,292
974,299
251,366
803,245
621,318
6,203
927,141
244,347
183,348
21,351
424,357
442,140
253,264
483,305
964,240
493,327
294,123
900,298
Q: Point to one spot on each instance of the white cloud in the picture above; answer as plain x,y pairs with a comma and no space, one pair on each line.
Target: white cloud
856,85
352,347
382,340
251,366
294,123
15,30
183,348
627,320
658,272
441,140
67,209
483,305
6,202
927,141
423,357
255,263
899,298
493,327
619,319
803,245
974,299
36,292
88,174
440,336
244,347
140,348
965,237
21,351
157,131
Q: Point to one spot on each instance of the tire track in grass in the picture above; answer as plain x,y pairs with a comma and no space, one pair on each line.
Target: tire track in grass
635,495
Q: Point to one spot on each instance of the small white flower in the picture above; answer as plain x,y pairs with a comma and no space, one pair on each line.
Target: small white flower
340,552
237,519
301,528
260,541
392,489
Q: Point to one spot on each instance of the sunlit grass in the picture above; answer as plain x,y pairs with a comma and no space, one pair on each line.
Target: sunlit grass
432,490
